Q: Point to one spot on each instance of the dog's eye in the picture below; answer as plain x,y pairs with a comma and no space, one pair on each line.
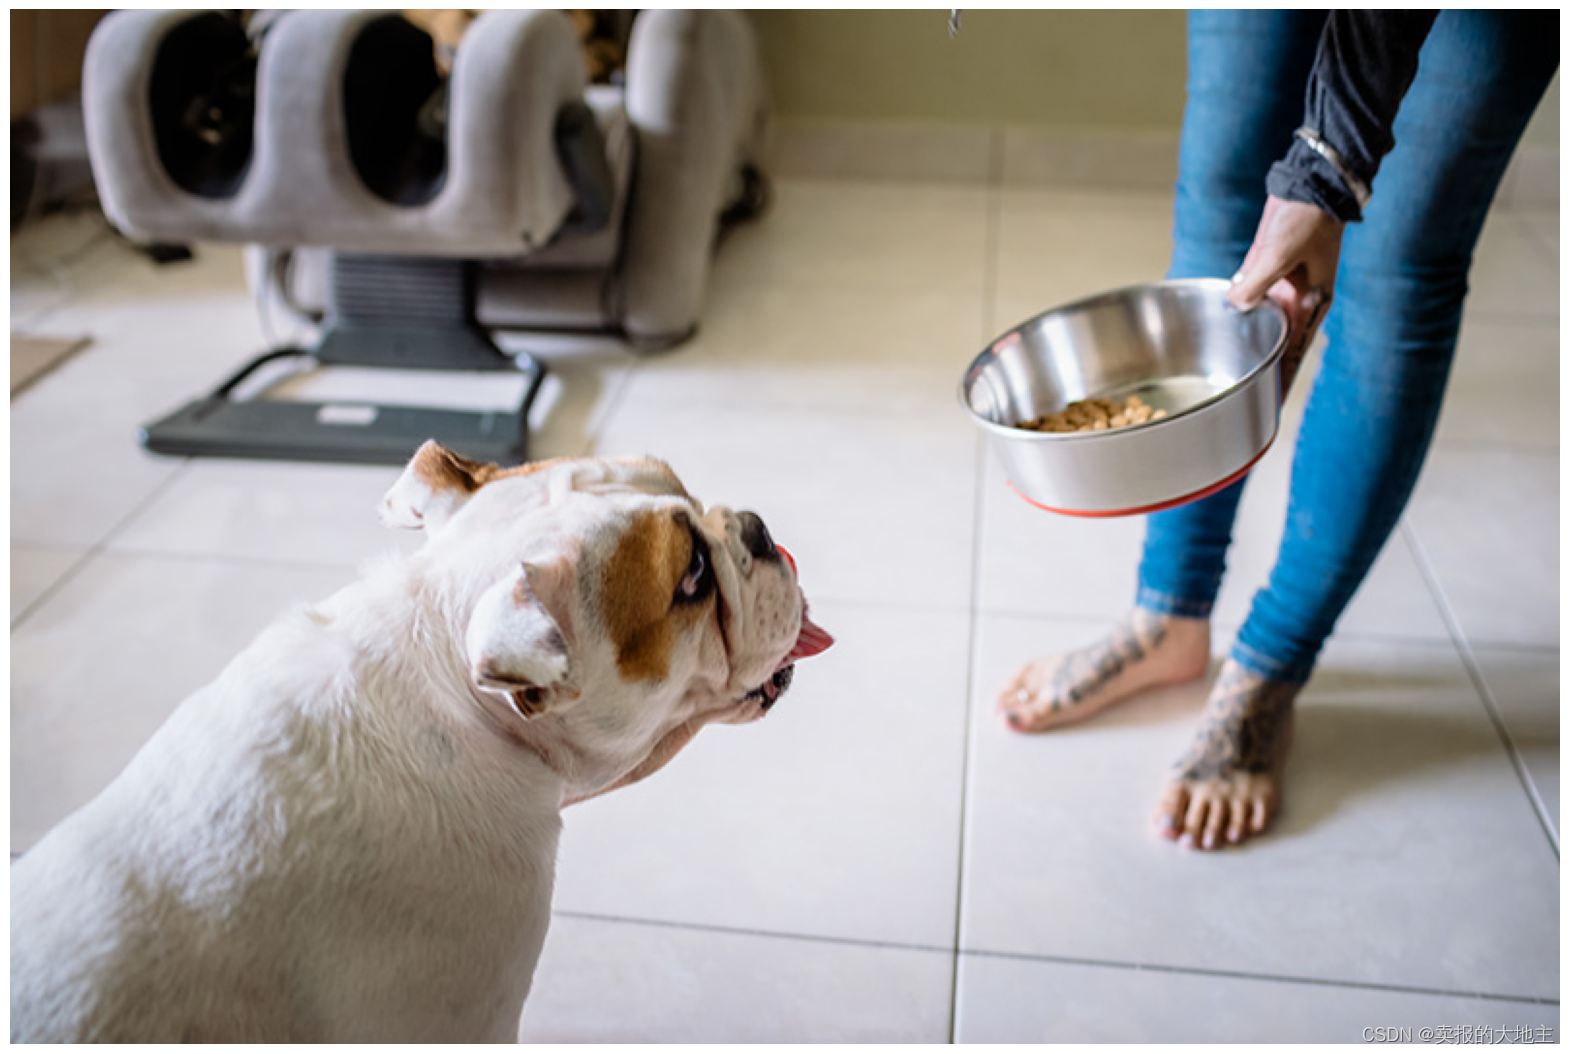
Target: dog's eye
695,582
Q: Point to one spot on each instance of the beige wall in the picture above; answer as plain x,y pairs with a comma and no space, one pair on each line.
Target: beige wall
46,55
1104,70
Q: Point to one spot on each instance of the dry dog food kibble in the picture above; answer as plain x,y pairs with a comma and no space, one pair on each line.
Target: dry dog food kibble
1094,415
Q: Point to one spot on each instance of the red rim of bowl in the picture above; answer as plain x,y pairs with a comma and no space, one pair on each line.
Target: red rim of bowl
1158,506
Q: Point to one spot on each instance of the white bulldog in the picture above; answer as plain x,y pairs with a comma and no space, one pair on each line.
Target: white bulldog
351,834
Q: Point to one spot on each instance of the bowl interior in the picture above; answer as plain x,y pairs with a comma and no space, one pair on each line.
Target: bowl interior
1176,345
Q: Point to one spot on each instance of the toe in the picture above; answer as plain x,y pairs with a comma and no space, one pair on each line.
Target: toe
1215,824
1023,713
1027,706
1018,703
1239,810
1171,810
1013,694
1194,820
1013,706
1262,810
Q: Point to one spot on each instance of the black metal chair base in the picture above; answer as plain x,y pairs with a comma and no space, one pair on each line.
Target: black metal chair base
339,431
386,313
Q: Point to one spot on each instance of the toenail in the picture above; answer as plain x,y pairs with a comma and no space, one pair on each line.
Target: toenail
1210,841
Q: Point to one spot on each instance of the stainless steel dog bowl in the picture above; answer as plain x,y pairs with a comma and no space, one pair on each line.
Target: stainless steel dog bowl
1181,347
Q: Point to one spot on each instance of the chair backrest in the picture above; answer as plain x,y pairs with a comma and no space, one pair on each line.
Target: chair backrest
336,129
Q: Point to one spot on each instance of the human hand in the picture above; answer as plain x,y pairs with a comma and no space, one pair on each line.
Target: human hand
1293,262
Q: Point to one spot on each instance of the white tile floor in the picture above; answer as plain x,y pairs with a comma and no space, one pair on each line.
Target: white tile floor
881,860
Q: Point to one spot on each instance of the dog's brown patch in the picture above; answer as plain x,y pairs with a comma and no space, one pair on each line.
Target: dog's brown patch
640,581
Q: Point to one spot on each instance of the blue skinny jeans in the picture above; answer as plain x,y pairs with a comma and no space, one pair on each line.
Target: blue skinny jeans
1397,309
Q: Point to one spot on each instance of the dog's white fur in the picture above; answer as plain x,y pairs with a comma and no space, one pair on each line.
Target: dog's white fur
351,833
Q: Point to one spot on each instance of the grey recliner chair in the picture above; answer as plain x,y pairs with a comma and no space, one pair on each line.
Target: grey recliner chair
416,213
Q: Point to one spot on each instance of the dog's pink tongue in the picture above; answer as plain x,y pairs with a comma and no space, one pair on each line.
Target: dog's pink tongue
813,639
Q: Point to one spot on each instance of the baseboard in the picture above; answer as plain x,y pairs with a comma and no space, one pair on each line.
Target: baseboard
1134,160
1044,157
973,154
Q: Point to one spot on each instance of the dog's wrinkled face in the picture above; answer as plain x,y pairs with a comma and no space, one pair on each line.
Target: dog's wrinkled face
603,605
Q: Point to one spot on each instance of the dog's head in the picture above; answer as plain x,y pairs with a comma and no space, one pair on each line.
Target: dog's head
602,606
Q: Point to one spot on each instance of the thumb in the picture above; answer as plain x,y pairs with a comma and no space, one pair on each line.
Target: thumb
1252,281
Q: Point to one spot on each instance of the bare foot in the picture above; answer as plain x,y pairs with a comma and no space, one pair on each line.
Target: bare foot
1227,787
1146,651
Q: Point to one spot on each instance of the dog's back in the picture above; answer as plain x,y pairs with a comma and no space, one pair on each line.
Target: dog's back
267,865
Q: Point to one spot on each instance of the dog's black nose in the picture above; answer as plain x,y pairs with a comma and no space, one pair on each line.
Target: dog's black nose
755,536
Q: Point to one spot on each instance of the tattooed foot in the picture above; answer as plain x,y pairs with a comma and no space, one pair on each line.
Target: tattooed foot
1146,651
1227,787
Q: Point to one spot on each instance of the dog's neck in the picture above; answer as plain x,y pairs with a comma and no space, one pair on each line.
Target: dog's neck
546,739
440,681
544,736
438,628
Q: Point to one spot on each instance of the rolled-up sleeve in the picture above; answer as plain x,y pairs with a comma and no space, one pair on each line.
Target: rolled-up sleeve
1366,62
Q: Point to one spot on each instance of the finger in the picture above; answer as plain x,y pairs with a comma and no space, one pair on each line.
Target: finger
1254,279
1305,309
1304,303
1292,238
1312,301
1249,266
1317,303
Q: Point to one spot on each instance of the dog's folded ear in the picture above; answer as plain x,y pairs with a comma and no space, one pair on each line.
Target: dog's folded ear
516,647
438,482
435,484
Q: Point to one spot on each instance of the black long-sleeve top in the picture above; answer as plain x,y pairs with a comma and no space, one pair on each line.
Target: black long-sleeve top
1366,63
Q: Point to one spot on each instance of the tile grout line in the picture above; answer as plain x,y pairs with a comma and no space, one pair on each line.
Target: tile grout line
100,547
1341,635
591,443
1240,975
745,931
1061,960
855,603
973,634
1480,685
864,604
235,558
65,270
978,505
